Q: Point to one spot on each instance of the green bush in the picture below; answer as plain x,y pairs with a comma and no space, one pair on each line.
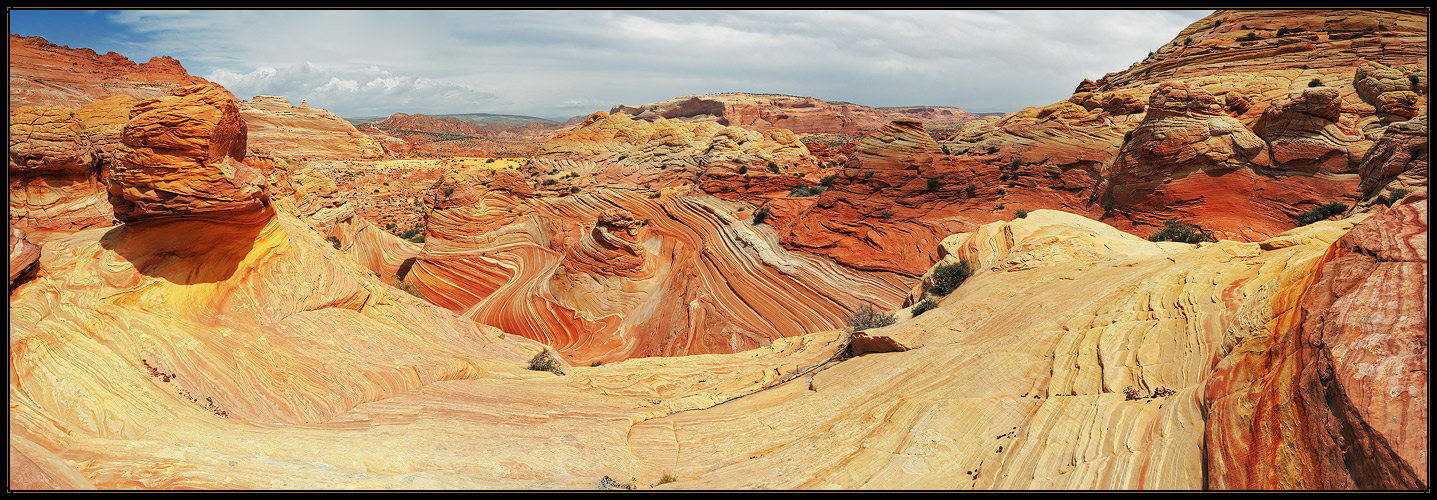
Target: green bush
1182,232
743,169
1021,213
948,277
1396,195
1322,212
333,241
923,306
1314,83
826,181
806,190
867,317
972,189
760,215
934,183
773,167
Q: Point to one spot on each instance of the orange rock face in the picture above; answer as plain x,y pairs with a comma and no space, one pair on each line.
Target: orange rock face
185,159
1336,398
42,73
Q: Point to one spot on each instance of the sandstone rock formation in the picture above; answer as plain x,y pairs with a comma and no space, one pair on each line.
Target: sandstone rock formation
277,128
609,274
42,73
796,114
185,160
1316,86
23,254
1396,164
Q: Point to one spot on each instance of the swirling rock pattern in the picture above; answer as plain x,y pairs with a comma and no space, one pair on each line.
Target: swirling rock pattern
608,274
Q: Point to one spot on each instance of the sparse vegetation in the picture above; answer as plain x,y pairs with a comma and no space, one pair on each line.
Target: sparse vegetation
1395,196
596,363
887,214
948,277
333,241
826,181
1314,83
760,215
1127,136
972,190
667,478
1322,212
773,167
867,317
934,184
545,362
1182,232
1002,191
802,190
923,306
1021,213
1283,31
743,169
408,287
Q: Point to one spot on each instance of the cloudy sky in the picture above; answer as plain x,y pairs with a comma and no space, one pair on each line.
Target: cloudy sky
558,64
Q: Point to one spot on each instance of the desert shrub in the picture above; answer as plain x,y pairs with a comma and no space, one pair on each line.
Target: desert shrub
947,277
596,363
1162,392
923,306
868,174
1127,136
1415,80
667,478
1182,232
448,191
806,190
1314,83
1002,191
867,317
418,238
1396,195
972,189
743,169
773,167
887,214
545,362
826,181
1021,213
934,183
333,241
1322,212
760,215
1283,31
406,286
574,189
1131,394
550,182
1108,206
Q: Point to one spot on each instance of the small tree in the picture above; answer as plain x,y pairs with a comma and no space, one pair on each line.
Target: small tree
867,317
948,277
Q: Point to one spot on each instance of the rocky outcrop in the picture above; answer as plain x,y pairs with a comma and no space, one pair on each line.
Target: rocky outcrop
1294,78
60,160
185,160
23,254
797,114
42,73
1396,164
1334,397
277,128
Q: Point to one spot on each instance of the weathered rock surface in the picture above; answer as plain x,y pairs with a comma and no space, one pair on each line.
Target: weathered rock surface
796,114
1316,86
275,127
1396,163
23,254
610,274
42,73
1119,383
